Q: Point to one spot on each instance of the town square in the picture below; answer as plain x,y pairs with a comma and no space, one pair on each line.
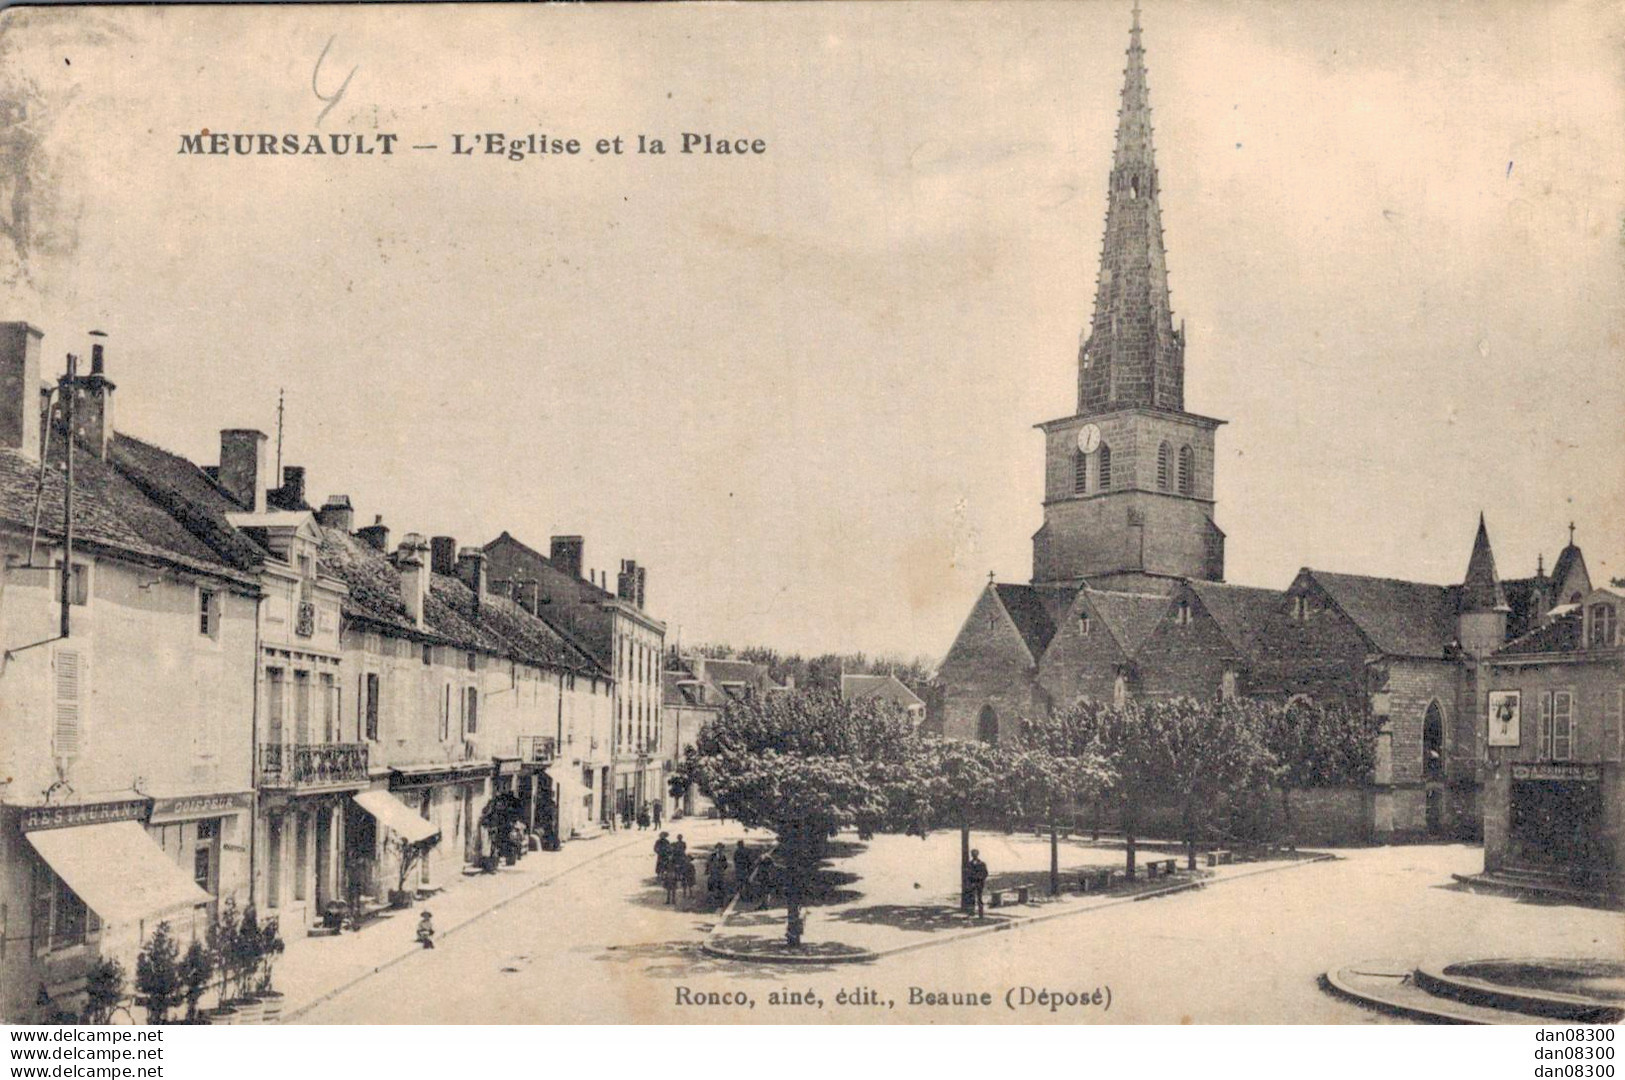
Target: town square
844,582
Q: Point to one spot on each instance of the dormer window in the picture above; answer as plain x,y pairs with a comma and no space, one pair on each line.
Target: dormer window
1182,614
1603,625
1084,625
1300,608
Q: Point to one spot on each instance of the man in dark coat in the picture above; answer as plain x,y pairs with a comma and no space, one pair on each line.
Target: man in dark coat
662,854
976,879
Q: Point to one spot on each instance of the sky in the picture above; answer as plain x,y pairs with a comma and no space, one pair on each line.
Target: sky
800,386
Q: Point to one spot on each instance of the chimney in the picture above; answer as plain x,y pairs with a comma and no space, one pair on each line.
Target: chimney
566,554
20,387
376,534
93,404
337,513
642,577
626,584
528,593
470,569
410,561
443,555
243,466
293,487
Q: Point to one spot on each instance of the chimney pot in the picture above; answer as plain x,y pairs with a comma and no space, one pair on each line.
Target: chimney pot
376,534
443,555
243,466
336,513
470,568
566,554
20,401
293,487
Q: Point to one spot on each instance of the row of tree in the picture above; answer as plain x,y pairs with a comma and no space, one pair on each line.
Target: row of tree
806,765
824,671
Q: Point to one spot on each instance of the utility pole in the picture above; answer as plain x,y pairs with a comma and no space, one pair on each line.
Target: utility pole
278,477
66,595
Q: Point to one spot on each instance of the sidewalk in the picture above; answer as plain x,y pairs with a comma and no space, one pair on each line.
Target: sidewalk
315,969
896,894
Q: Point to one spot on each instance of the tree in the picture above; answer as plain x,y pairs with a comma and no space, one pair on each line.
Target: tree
1312,746
196,970
1059,767
804,765
1120,738
157,975
957,784
1213,749
104,989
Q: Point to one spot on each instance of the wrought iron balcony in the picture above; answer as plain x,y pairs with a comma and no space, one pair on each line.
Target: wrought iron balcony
538,749
298,765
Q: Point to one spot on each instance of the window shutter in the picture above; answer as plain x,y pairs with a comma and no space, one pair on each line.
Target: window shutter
1562,725
1613,705
1543,749
67,733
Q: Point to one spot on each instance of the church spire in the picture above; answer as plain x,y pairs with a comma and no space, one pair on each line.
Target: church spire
1131,354
1481,589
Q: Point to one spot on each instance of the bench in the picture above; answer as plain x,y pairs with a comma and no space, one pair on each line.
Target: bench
1022,894
1095,880
1164,867
1218,857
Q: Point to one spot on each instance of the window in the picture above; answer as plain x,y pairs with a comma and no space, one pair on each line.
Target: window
1080,473
1227,685
208,612
1556,726
445,714
1300,608
1105,468
1182,614
368,700
301,854
1162,467
1433,742
202,868
428,654
68,726
472,710
79,586
60,918
273,862
987,726
472,661
301,707
1187,470
1084,625
1613,725
1602,624
330,708
274,687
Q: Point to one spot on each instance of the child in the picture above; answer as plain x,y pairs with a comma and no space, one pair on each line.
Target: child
426,930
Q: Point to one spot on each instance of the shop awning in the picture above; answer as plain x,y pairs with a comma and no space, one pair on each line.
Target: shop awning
118,871
394,814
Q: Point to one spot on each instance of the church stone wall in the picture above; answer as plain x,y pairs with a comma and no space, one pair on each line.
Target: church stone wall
988,665
1098,535
1188,660
1079,665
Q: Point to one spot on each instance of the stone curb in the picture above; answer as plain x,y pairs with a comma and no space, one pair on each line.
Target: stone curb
870,954
413,948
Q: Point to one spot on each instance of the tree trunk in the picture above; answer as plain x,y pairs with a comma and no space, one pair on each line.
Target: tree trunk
967,902
1128,834
1286,808
1054,861
1190,837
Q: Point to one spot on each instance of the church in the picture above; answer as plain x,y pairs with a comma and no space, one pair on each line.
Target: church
1128,596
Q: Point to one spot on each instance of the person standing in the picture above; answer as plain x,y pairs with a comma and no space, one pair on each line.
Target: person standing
716,876
685,866
976,879
662,854
643,816
741,869
658,813
426,930
670,877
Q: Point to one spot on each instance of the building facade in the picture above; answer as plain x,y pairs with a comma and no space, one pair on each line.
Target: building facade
629,772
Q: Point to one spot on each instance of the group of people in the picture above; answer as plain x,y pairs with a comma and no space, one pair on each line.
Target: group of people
675,870
644,816
674,866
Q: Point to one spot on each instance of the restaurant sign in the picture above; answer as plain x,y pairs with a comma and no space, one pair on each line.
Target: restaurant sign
67,817
185,807
1557,772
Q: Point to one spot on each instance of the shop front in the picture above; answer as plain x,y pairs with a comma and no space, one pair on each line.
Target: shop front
89,881
450,798
1555,822
207,837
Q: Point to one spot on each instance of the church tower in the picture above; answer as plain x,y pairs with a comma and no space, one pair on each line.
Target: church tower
1128,481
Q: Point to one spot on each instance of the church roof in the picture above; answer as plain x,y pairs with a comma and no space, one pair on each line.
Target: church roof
1481,589
1401,618
1565,565
1130,617
884,687
1034,609
1240,610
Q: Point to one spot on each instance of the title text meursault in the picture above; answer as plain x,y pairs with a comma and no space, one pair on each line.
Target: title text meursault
515,147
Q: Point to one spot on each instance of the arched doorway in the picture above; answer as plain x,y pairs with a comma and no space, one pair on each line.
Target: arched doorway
987,726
